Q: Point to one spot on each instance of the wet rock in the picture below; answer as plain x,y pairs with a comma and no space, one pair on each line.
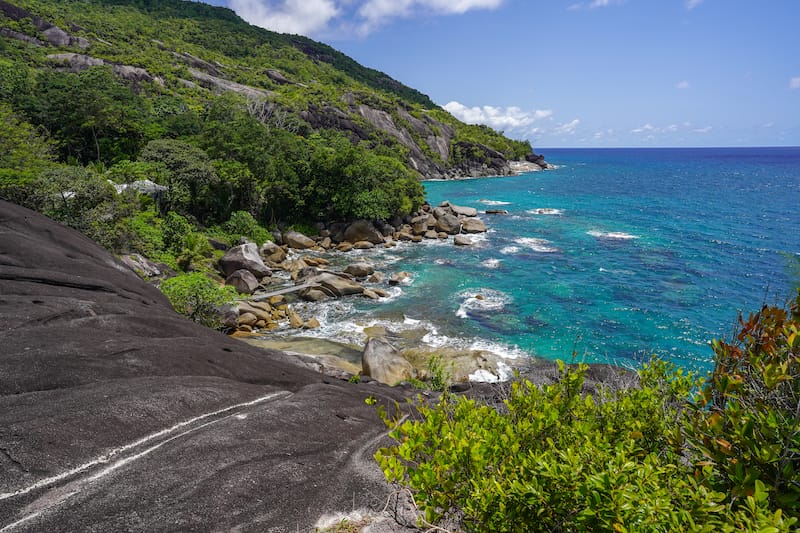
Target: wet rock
382,362
247,319
295,322
259,312
448,223
363,245
345,247
360,270
243,281
473,225
311,323
272,252
462,240
336,285
464,211
399,278
315,295
298,241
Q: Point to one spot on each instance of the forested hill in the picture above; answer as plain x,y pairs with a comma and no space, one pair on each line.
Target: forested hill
281,126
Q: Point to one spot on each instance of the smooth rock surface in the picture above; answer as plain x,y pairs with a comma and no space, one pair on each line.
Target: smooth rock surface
298,241
243,281
117,414
473,225
381,361
244,256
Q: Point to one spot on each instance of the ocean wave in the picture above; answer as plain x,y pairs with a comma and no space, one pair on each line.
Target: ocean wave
493,202
617,271
502,350
491,263
484,300
537,245
510,250
546,211
612,235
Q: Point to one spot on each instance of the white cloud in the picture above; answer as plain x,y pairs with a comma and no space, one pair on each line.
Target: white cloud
375,13
568,128
683,84
794,83
499,118
703,130
647,128
304,17
594,4
691,4
309,17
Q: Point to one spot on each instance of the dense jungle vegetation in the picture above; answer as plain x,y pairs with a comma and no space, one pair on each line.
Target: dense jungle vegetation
234,120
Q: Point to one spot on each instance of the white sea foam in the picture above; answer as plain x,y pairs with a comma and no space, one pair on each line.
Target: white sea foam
502,350
546,211
618,271
509,250
504,373
483,300
612,235
491,263
493,202
537,245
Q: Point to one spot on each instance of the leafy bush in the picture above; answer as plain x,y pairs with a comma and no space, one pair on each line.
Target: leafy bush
646,458
242,224
197,297
745,425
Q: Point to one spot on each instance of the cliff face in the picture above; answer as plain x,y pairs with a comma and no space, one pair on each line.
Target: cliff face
185,49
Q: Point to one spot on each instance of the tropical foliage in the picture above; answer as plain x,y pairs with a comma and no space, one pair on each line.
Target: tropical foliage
669,454
182,122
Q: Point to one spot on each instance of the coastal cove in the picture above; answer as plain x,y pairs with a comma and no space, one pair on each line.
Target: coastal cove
613,256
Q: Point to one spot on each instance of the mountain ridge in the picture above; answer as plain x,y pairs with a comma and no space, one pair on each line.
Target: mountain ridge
229,63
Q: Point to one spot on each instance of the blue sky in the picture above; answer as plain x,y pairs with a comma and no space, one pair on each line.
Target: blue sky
578,73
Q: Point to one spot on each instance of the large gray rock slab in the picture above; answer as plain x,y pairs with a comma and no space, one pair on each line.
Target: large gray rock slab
298,241
244,257
448,223
382,361
117,414
334,284
473,225
362,230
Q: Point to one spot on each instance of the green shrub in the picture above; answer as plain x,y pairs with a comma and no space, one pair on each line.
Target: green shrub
197,297
554,459
745,426
242,224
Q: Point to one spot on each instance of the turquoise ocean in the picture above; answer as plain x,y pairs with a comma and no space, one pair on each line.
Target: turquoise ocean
614,256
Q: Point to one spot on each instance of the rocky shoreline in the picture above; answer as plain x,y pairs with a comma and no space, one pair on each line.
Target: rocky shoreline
280,281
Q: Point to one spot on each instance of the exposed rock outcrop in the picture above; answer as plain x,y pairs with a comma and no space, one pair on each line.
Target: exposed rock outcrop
243,281
97,371
53,34
381,361
244,256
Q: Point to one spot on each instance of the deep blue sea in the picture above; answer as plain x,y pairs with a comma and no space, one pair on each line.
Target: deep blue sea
616,255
